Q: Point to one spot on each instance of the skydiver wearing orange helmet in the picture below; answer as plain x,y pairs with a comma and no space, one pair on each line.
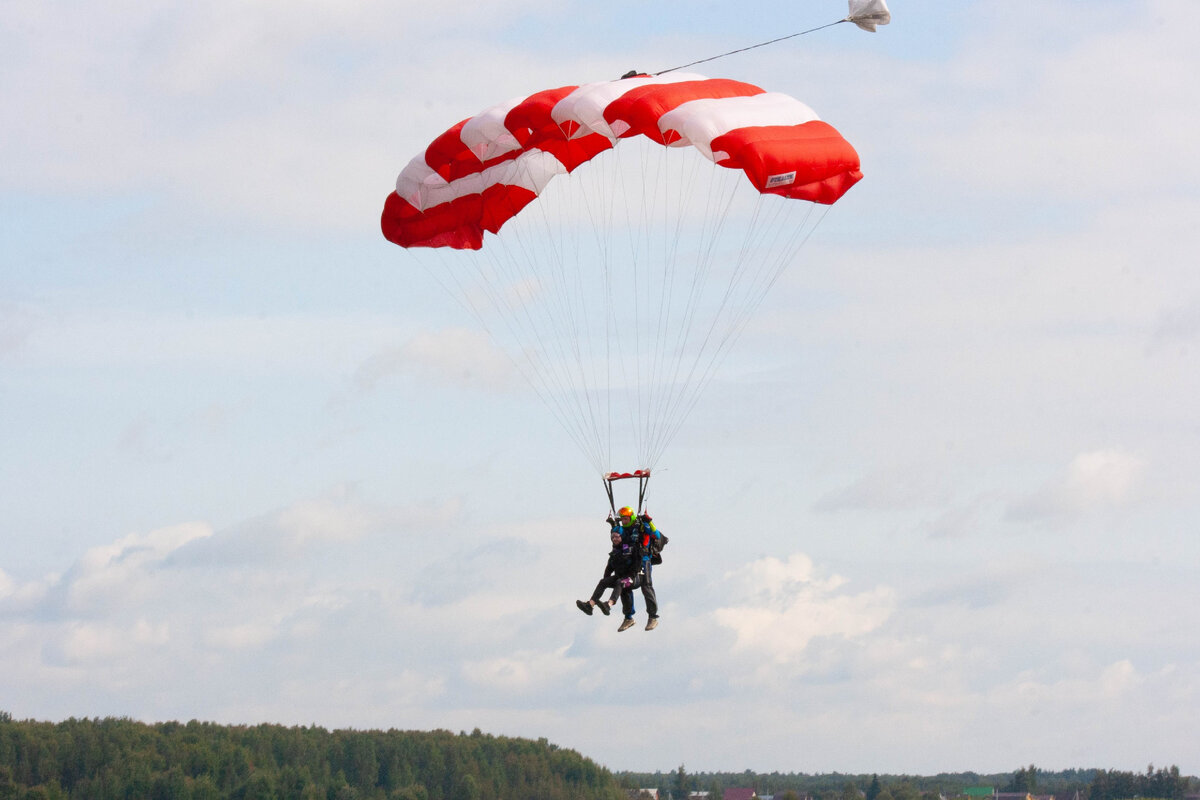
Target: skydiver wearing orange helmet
637,546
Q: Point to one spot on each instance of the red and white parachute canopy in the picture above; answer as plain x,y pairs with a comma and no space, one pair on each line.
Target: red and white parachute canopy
483,171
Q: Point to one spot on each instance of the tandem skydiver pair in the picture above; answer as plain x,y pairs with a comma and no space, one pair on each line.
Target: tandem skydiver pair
636,547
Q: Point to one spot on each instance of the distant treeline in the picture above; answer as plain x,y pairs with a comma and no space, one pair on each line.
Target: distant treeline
1091,784
120,759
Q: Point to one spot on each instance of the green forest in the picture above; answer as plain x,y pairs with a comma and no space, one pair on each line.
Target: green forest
122,759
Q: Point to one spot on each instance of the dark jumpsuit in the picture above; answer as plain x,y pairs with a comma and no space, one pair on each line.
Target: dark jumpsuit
622,563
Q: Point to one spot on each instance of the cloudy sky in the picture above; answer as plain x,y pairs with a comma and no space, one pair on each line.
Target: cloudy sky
938,512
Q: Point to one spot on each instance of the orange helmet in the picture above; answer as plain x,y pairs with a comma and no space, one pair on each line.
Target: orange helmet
625,511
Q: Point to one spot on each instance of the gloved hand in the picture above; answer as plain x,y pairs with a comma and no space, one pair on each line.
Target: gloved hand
626,583
646,517
609,519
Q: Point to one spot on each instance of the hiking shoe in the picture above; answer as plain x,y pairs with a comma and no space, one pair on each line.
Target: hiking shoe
584,607
626,625
604,607
652,623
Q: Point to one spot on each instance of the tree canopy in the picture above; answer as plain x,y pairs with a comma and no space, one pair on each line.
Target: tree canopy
117,758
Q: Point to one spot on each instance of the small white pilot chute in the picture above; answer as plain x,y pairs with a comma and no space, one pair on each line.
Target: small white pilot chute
867,14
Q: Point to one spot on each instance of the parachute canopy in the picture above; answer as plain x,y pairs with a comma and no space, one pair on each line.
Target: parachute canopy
486,169
616,238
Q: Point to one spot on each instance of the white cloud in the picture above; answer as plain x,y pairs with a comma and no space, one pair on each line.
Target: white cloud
389,694
954,521
1102,477
339,517
1107,687
284,343
333,518
122,572
1021,119
1094,481
212,104
883,491
787,605
84,643
454,356
523,672
239,637
18,597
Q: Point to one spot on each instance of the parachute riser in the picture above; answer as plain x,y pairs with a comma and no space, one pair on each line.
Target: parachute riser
643,479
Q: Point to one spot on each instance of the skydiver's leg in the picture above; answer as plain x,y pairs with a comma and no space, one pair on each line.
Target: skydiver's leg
605,583
648,593
627,602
